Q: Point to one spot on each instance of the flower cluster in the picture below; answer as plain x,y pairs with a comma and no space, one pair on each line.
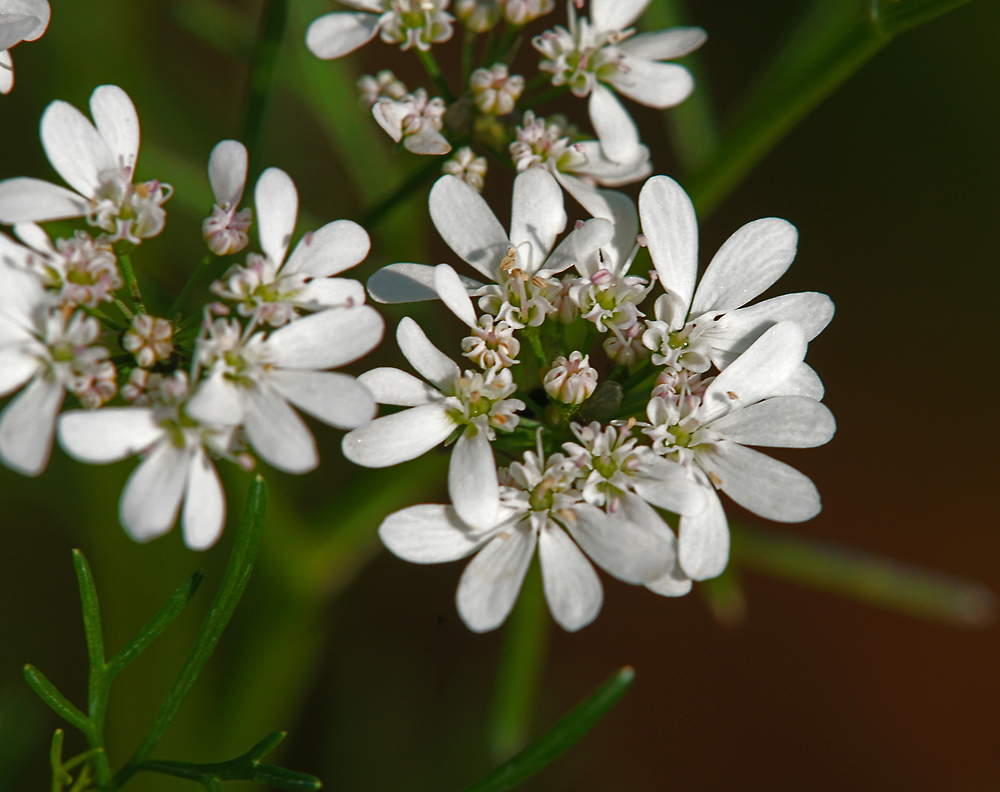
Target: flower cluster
622,427
72,334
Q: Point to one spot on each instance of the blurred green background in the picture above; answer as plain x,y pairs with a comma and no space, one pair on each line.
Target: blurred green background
893,185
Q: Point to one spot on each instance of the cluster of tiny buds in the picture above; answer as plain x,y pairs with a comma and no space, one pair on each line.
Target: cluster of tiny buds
225,230
495,91
492,345
384,85
465,165
149,339
571,380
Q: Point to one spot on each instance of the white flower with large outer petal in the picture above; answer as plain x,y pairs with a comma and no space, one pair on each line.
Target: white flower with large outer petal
538,508
255,381
20,20
602,56
464,402
175,468
746,404
46,352
694,328
409,23
519,264
98,161
271,289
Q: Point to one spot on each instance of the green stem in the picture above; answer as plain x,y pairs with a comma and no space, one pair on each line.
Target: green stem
234,582
126,312
104,319
468,51
522,663
410,184
546,96
125,262
260,79
195,277
434,71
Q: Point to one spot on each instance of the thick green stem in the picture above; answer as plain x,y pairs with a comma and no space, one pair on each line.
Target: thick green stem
234,582
263,64
521,666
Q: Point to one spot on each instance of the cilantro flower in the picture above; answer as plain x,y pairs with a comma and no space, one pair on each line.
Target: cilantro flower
409,23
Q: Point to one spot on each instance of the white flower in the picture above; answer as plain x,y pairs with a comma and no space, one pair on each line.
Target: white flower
47,352
98,161
519,264
77,271
272,290
460,402
539,507
176,467
495,90
478,15
225,230
751,402
414,120
465,165
579,167
592,55
409,23
694,329
521,12
252,381
20,20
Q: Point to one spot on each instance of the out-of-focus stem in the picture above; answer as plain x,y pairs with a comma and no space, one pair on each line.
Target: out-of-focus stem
263,63
434,72
195,277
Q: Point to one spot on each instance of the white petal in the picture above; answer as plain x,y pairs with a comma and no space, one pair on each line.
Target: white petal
758,372
610,205
670,487
336,399
427,141
277,203
334,35
218,400
580,246
763,485
75,148
737,330
27,200
427,359
204,514
117,122
571,585
492,580
703,541
39,9
802,382
454,294
614,126
672,583
337,246
609,173
779,422
392,386
402,283
6,72
28,424
748,263
472,481
653,84
34,236
398,437
671,230
327,339
227,172
537,214
15,27
430,534
152,494
607,15
467,224
632,542
322,293
16,368
108,434
664,44
390,115
277,433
